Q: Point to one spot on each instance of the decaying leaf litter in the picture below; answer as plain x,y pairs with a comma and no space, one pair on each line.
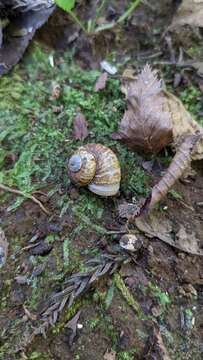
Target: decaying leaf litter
155,267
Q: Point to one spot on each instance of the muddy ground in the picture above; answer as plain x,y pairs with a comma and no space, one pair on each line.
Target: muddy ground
44,250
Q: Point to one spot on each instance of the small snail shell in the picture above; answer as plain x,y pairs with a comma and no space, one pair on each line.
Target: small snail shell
97,166
130,242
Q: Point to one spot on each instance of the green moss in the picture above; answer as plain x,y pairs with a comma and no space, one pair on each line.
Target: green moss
126,293
192,98
35,355
161,296
41,140
127,355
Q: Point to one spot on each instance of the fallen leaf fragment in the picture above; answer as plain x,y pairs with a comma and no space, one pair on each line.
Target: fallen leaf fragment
159,345
110,355
155,119
179,164
190,12
188,241
56,91
101,82
3,248
80,125
145,125
155,225
72,325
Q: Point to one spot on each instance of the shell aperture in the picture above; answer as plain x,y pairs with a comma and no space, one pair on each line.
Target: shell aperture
82,166
75,163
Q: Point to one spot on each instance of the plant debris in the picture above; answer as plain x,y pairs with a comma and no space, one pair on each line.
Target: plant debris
72,325
180,163
110,355
152,226
3,248
145,127
190,12
101,82
155,119
28,196
80,125
156,346
19,32
78,283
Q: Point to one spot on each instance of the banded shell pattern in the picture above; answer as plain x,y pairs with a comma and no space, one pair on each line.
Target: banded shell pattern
97,166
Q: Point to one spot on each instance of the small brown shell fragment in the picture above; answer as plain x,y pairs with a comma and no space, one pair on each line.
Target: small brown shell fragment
97,166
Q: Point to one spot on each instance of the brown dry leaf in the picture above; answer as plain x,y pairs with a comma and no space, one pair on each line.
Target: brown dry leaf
101,82
146,126
179,164
55,91
154,119
187,241
162,228
80,124
110,355
159,344
72,325
183,124
190,12
3,248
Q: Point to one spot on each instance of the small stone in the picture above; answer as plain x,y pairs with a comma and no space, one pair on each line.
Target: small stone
109,68
79,326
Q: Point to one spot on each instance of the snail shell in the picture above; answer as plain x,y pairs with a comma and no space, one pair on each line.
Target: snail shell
97,166
130,242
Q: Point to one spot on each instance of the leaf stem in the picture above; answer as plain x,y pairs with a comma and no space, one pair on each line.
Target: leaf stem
76,19
128,12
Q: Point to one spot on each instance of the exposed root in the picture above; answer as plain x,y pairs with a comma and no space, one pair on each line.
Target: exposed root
28,196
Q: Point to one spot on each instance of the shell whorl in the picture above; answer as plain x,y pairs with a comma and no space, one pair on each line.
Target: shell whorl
82,166
99,160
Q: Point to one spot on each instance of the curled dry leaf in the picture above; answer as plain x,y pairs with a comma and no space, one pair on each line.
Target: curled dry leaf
190,12
183,124
101,82
110,355
145,125
3,248
80,124
179,164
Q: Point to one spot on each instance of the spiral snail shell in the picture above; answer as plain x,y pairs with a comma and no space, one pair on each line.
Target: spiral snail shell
96,166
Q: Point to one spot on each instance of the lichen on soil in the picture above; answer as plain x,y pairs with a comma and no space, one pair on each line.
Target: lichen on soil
36,139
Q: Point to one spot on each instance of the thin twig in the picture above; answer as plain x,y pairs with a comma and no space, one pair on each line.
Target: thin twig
21,193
